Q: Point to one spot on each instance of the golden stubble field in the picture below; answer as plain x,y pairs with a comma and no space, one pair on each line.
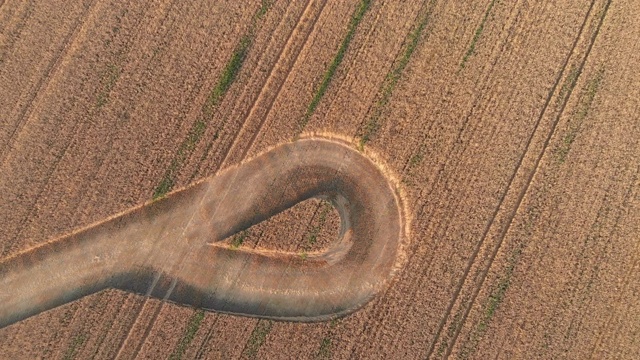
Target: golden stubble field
513,127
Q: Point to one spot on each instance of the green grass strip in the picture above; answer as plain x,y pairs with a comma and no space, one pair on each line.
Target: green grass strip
190,333
495,300
76,343
324,352
314,231
109,79
392,78
476,36
227,78
584,105
257,338
325,349
356,18
239,238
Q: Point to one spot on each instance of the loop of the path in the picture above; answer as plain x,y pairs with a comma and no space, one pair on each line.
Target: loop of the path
171,249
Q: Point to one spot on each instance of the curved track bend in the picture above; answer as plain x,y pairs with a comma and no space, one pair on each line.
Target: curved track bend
171,248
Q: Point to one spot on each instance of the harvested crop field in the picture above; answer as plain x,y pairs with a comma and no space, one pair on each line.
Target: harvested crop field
513,128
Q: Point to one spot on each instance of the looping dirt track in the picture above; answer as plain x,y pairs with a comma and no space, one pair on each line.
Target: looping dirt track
170,249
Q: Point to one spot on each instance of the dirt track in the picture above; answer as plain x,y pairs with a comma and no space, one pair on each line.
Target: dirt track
513,127
168,249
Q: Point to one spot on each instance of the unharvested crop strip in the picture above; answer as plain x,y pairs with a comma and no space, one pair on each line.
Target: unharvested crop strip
356,18
476,36
529,179
394,75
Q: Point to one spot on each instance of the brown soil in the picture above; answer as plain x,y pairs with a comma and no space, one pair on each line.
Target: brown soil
513,128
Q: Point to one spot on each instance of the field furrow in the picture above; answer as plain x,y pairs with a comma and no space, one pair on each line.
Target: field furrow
511,127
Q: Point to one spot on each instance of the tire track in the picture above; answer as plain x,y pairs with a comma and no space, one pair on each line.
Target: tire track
74,311
378,305
361,182
595,270
250,39
271,104
294,45
144,304
459,140
467,270
379,302
97,299
201,349
484,87
609,323
528,181
451,206
578,272
347,69
155,311
417,34
381,305
253,323
290,39
263,119
290,67
245,151
106,156
13,35
602,249
44,81
246,93
93,350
